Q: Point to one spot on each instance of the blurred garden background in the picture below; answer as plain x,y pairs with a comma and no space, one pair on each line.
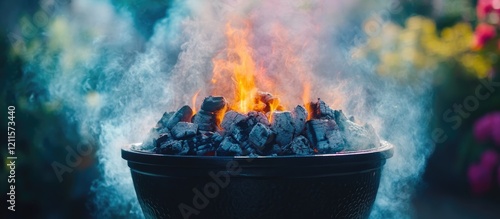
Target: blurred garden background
453,43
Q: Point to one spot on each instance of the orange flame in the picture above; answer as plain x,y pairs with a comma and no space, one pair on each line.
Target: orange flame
238,66
238,78
193,103
306,99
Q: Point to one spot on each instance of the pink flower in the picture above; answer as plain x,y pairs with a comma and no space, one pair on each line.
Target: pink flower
483,8
484,33
489,160
480,179
488,128
495,128
482,129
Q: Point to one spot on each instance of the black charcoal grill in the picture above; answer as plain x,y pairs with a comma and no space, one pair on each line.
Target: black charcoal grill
342,185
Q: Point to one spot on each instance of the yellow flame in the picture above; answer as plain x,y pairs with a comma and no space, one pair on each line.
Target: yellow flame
193,103
306,99
239,66
237,76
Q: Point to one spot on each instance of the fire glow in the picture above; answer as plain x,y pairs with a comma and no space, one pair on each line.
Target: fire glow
244,116
238,77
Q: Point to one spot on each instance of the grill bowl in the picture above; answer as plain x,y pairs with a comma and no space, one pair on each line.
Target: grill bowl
340,185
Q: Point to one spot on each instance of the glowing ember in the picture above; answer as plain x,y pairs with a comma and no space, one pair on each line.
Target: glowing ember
237,77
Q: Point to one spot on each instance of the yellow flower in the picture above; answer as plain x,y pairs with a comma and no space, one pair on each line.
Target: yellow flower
418,47
476,63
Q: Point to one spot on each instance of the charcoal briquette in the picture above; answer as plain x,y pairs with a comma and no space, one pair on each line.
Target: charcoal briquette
150,140
334,143
162,138
216,107
228,147
356,137
231,118
184,130
323,111
359,137
257,117
340,119
184,114
311,106
239,134
269,100
162,130
299,115
247,148
201,144
260,135
217,138
173,147
282,125
264,97
205,121
323,147
318,129
213,104
300,146
162,123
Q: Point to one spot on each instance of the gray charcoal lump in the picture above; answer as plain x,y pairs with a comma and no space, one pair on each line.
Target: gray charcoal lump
257,117
173,147
264,97
205,121
150,141
164,120
299,146
267,99
213,104
231,118
357,137
184,114
318,129
247,148
260,136
240,134
202,144
360,137
184,130
253,134
335,143
229,147
299,115
282,125
323,110
162,138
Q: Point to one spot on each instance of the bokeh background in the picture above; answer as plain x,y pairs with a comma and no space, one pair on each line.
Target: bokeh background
451,44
